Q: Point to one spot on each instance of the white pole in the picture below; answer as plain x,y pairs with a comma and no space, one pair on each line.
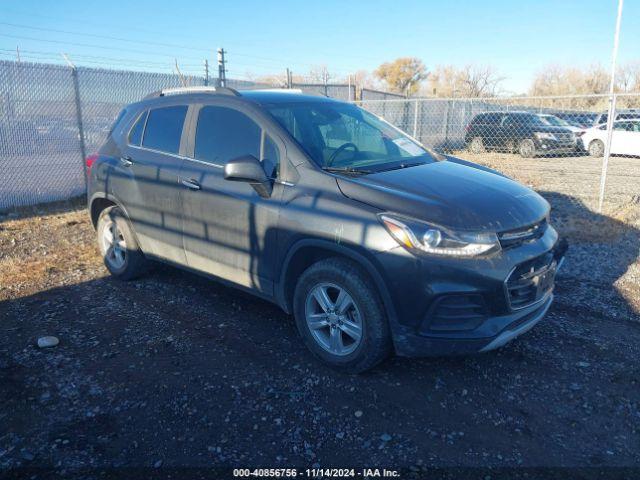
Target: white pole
612,109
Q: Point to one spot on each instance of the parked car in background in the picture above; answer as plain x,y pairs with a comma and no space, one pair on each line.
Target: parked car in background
625,139
374,243
522,132
580,120
559,122
621,114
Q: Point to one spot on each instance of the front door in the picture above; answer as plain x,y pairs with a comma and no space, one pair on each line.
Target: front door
229,229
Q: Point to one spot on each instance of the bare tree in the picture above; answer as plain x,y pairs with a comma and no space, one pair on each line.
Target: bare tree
556,80
468,81
628,77
319,74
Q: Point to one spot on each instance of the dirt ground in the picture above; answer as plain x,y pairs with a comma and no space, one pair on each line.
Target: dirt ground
174,371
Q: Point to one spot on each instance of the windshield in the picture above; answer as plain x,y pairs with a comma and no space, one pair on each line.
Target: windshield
343,136
554,121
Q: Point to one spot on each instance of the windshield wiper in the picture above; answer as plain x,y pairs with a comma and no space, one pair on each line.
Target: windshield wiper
351,170
402,165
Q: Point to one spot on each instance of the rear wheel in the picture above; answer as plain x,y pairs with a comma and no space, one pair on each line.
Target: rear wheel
596,148
340,317
527,148
477,145
118,245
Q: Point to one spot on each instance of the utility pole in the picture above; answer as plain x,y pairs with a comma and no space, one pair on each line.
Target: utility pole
612,108
222,77
288,78
206,72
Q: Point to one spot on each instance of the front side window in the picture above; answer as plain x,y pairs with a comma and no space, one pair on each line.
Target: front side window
164,128
223,134
340,135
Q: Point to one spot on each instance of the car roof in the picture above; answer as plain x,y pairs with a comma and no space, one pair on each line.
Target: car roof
259,97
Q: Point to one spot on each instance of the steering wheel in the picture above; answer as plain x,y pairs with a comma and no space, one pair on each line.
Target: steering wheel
341,149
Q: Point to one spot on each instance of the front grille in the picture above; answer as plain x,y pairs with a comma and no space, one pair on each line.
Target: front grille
457,312
531,281
518,236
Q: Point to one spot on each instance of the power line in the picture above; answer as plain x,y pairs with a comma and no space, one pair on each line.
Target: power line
105,37
87,45
271,60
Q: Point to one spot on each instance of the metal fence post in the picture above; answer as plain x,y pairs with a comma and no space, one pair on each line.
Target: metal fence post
415,120
611,116
446,124
83,151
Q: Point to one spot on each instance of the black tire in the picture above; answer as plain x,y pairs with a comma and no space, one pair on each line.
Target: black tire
133,263
596,148
527,148
375,344
476,146
510,146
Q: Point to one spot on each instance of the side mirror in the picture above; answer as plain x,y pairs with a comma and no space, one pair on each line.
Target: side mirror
249,169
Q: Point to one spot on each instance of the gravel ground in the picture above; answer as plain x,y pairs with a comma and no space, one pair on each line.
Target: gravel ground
175,371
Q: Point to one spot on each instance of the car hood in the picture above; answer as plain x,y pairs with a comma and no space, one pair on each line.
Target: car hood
550,129
449,194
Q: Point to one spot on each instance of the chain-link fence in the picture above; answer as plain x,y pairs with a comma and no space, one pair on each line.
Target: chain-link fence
344,92
369,94
551,143
53,116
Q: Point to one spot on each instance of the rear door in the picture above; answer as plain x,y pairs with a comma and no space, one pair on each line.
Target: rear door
152,159
229,230
492,129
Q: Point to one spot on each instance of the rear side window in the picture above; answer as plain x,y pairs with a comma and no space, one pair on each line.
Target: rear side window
488,119
164,128
224,134
117,120
135,134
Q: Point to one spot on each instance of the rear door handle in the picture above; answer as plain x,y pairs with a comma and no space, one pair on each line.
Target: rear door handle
192,184
127,161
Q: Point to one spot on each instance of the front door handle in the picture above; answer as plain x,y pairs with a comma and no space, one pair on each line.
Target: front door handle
192,184
127,161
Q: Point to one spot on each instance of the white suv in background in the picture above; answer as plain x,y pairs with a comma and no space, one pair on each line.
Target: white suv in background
621,114
625,139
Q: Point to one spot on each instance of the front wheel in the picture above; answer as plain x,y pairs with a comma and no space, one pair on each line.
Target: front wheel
527,148
596,148
477,145
340,316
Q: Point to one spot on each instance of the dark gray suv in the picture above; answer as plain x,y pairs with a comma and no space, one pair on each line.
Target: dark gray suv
373,242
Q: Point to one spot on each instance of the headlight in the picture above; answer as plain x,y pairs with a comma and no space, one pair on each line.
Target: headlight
545,136
421,237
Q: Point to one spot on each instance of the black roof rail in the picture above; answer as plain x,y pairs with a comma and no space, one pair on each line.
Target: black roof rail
179,90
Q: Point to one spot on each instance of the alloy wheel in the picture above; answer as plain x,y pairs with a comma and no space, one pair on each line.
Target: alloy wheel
334,319
114,245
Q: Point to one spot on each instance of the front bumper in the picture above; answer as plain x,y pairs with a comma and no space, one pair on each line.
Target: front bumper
511,326
555,146
447,307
